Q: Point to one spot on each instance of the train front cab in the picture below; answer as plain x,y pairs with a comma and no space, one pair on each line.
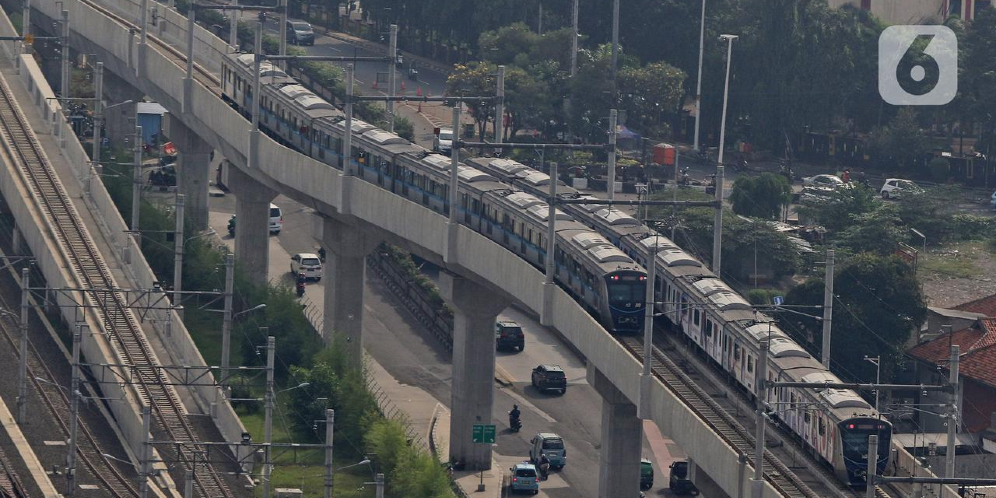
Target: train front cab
851,463
626,291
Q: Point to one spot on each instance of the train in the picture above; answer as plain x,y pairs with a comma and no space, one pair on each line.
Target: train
600,259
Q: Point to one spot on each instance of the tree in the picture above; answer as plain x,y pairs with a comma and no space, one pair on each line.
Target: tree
901,145
878,302
877,232
650,92
475,79
760,196
835,211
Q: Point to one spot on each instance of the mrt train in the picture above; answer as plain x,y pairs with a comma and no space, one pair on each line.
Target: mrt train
600,258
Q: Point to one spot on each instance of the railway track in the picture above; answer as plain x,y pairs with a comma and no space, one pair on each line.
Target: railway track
55,399
118,322
10,482
779,475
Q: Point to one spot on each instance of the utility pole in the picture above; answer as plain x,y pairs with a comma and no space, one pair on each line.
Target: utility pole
188,484
268,412
717,225
953,419
539,23
22,369
391,75
574,39
178,251
347,136
65,58
698,82
98,115
379,479
144,464
674,195
760,384
257,61
283,27
648,331
613,116
499,106
872,466
136,185
188,81
551,229
329,425
615,44
26,25
74,410
454,165
226,324
233,29
827,307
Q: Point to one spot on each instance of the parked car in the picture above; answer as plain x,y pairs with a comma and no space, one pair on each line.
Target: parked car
444,141
646,474
508,335
307,263
547,377
300,33
894,188
678,482
551,445
276,219
523,478
830,181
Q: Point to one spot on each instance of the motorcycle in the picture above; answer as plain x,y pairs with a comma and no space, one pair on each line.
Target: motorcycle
514,423
683,179
300,285
321,254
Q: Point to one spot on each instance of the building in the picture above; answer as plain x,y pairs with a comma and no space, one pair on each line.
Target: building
916,11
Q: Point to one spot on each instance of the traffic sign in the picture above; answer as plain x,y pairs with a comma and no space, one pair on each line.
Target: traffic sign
484,434
778,300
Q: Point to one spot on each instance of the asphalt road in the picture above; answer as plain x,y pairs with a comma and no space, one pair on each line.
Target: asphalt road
431,82
414,357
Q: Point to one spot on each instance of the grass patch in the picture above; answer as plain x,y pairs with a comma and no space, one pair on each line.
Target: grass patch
955,260
205,329
311,480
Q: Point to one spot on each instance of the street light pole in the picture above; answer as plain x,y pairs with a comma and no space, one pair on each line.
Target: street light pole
827,307
613,116
499,106
22,370
760,385
717,243
389,108
329,426
574,39
615,43
136,187
698,83
268,412
178,251
226,324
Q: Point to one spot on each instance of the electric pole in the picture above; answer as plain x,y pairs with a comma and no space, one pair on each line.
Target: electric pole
827,307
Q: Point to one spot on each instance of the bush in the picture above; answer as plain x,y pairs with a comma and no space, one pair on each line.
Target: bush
242,389
939,169
971,226
762,296
411,473
283,318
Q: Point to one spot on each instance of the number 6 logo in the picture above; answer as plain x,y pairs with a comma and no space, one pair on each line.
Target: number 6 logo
917,65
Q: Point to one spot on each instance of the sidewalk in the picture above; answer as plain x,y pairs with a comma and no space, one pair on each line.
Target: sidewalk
469,482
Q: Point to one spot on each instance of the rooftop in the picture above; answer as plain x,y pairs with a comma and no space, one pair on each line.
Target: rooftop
977,354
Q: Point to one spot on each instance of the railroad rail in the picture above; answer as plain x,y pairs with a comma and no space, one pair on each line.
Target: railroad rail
57,402
10,483
119,323
779,475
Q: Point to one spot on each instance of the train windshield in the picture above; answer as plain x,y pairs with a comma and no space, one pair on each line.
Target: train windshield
854,441
626,289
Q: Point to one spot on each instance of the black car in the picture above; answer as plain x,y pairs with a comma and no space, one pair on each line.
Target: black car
550,377
679,483
508,335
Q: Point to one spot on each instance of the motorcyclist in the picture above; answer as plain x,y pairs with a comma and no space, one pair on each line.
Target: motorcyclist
300,284
321,253
513,418
544,465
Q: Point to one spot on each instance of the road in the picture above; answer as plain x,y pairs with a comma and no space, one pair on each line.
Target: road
415,358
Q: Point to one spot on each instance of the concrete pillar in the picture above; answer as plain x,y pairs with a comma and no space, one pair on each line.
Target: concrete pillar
119,120
192,169
252,233
345,269
622,439
15,243
475,309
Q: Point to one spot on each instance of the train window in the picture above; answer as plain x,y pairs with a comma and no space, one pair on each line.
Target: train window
806,417
750,364
736,352
708,328
696,317
822,428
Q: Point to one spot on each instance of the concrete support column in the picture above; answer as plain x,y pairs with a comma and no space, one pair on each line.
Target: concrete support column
192,170
475,309
622,438
252,233
119,121
16,238
345,271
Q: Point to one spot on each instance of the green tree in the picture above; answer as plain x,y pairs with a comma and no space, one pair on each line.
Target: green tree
760,196
475,79
877,232
878,302
901,145
834,212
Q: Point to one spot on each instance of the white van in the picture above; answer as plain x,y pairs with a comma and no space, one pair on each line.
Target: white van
276,219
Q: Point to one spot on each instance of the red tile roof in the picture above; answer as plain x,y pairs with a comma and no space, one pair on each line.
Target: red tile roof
977,351
985,305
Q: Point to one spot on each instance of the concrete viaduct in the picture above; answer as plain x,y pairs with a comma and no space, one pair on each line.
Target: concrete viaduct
481,278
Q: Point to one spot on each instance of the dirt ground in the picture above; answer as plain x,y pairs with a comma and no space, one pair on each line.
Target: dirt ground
958,273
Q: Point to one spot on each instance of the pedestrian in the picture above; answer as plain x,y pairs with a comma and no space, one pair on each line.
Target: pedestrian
846,176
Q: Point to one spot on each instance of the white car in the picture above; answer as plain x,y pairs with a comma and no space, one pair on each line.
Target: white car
444,141
276,219
894,188
828,181
307,263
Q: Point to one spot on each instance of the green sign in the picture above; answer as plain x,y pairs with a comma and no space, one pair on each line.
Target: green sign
484,433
